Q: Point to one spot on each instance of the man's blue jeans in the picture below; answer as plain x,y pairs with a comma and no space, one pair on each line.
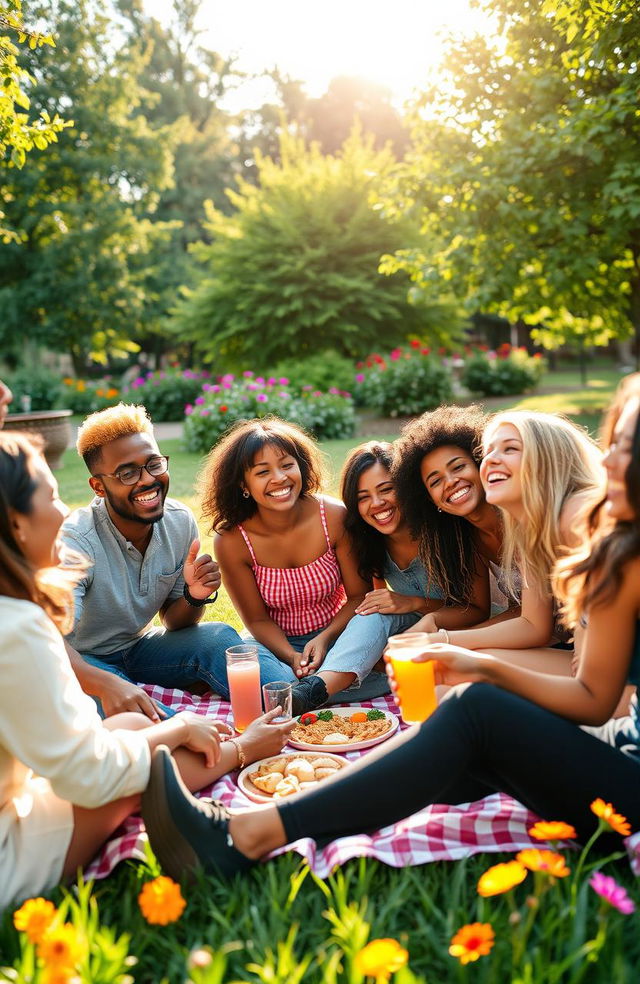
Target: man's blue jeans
181,658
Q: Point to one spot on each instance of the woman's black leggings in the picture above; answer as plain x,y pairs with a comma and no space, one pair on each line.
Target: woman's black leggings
477,742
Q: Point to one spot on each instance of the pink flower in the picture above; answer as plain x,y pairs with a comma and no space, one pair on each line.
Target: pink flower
609,890
260,380
334,391
188,409
204,412
395,354
284,394
271,381
215,388
308,386
359,377
138,381
261,397
248,373
199,400
283,381
227,379
316,393
252,386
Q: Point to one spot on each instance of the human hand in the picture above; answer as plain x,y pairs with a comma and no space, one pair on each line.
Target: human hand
426,624
453,663
383,601
118,695
203,735
262,738
201,574
312,656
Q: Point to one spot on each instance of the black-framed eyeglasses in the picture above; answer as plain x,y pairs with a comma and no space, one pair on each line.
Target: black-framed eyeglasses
130,474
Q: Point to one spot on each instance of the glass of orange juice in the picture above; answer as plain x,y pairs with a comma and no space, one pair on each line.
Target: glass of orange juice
415,681
243,673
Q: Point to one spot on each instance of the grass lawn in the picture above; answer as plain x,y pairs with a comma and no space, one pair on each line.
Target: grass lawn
279,924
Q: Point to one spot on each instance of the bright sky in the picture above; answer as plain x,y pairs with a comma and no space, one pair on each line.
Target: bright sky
391,42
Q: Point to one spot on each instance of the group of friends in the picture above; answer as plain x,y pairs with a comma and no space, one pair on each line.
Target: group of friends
511,541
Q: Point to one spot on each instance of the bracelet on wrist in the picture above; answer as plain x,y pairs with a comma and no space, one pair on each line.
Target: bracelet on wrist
197,602
446,636
242,758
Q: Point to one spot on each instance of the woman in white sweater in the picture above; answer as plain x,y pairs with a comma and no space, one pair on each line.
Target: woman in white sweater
68,779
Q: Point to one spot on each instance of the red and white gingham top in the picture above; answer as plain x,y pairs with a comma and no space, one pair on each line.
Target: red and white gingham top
301,599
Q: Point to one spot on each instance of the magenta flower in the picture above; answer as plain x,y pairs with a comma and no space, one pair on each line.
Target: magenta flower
283,381
204,412
199,400
271,381
227,379
248,373
260,380
138,381
334,391
316,393
359,377
214,388
609,890
261,397
395,354
284,394
308,387
252,386
188,409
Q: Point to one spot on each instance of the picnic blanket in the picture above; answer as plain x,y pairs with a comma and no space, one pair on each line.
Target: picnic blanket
436,833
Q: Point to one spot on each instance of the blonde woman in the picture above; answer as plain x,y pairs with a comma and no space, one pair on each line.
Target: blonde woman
542,471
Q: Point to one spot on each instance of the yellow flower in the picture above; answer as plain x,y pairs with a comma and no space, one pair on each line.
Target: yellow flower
552,830
34,918
59,975
616,821
472,941
161,901
81,386
381,959
60,947
501,877
551,863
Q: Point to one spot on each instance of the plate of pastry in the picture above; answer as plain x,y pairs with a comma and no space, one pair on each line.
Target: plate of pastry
284,775
343,729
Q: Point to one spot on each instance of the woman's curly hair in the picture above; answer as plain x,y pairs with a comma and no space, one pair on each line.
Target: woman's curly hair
221,480
592,574
446,544
368,543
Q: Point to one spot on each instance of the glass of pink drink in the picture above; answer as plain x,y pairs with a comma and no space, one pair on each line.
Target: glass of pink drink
243,673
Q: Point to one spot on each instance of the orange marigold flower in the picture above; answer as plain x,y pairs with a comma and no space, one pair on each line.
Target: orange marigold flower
34,918
552,830
551,863
501,878
381,959
472,942
59,975
161,901
616,821
60,947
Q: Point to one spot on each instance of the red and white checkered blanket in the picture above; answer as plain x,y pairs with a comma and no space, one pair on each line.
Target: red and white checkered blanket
437,833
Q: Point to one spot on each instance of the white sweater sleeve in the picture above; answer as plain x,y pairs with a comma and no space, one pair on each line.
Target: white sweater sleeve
50,725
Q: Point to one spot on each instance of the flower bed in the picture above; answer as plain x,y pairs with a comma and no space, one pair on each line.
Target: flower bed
165,392
406,381
505,372
221,404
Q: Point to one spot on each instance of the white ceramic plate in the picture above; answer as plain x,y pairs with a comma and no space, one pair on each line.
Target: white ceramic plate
352,746
255,794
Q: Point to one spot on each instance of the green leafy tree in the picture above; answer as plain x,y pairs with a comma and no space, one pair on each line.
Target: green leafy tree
527,172
294,270
77,278
19,134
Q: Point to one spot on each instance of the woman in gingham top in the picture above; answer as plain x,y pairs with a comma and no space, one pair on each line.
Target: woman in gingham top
285,558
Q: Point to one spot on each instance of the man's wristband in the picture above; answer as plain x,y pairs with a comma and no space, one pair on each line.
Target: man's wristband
197,602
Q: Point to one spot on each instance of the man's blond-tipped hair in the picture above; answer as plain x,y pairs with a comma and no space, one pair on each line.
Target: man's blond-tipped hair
108,425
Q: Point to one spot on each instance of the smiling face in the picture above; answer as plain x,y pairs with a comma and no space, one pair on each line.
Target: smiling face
274,480
617,460
142,503
450,476
37,532
501,467
376,498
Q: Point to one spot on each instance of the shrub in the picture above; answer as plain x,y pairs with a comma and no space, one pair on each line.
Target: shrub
84,396
324,371
325,415
166,393
42,386
503,373
405,382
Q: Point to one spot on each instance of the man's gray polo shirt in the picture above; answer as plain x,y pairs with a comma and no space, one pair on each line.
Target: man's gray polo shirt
122,591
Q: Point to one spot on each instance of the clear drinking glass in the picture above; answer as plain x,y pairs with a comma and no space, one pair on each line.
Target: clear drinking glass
415,681
278,694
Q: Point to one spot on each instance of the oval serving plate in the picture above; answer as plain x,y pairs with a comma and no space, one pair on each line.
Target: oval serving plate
352,746
257,795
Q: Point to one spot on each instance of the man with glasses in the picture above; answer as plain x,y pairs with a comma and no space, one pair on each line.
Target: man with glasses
143,552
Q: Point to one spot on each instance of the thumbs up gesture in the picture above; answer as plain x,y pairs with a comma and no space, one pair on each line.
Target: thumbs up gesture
201,573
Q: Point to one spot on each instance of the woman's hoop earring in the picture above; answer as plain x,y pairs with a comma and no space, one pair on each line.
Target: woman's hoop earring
245,493
439,509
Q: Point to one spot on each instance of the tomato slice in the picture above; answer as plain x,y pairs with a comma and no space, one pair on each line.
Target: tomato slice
308,718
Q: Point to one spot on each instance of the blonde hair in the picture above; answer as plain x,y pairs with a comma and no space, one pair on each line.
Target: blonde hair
108,425
559,460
